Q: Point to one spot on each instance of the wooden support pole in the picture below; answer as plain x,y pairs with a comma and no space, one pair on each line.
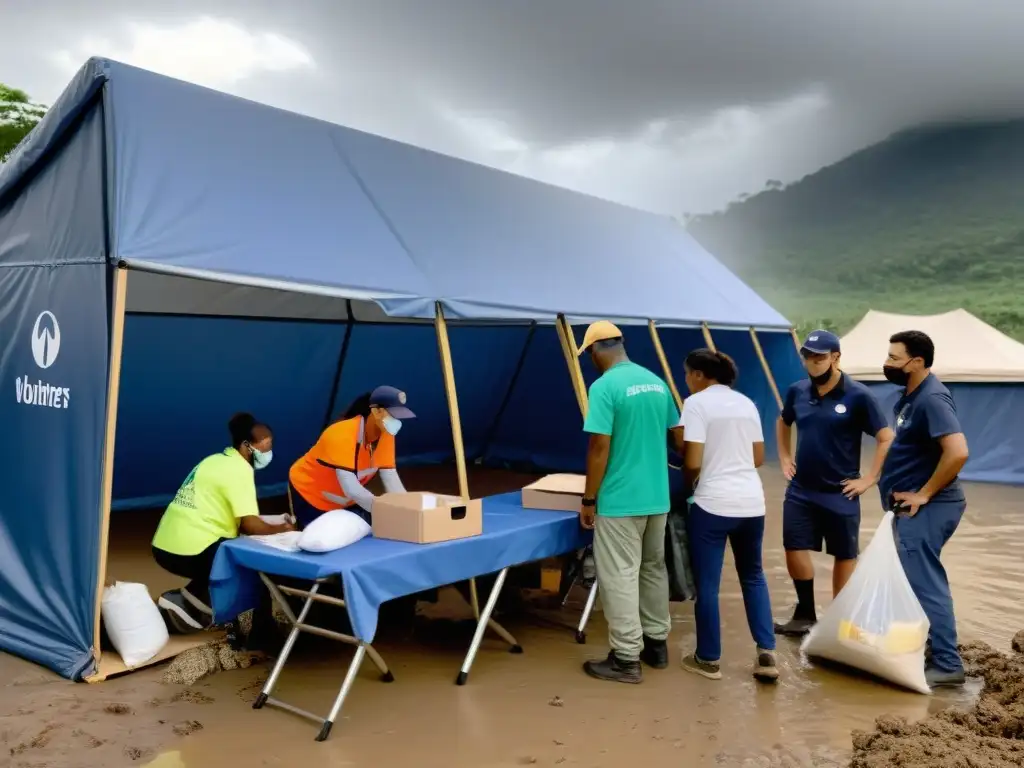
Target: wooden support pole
666,369
448,372
572,361
708,341
796,340
766,367
120,290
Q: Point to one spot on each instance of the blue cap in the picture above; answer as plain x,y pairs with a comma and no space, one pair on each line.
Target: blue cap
821,343
391,400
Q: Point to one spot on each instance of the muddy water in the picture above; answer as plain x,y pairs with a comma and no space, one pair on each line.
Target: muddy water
537,708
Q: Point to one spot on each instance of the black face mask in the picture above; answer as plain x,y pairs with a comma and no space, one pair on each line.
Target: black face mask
894,375
822,378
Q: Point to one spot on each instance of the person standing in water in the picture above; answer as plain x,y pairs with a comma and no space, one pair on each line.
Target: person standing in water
920,483
724,446
831,412
626,501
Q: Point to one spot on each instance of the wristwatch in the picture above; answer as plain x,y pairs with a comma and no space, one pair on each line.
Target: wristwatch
589,502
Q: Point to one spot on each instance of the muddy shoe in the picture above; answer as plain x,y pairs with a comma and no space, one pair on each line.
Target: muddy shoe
937,678
655,653
795,627
765,670
614,669
710,670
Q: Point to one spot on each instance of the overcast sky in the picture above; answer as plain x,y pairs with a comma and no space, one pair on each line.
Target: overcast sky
670,105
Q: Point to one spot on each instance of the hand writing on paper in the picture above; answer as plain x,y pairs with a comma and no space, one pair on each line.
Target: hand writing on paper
588,516
910,502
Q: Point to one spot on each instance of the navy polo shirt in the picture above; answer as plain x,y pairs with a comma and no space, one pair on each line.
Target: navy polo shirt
922,417
830,429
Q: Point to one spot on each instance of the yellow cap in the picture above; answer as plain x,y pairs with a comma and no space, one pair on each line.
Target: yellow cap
602,330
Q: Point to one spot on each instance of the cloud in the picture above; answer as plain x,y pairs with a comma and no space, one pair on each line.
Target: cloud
648,167
214,52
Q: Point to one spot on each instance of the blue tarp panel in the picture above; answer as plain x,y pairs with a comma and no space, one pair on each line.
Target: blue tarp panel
992,417
282,371
211,185
53,366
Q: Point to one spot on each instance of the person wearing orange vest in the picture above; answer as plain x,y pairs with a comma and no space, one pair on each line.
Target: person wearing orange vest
348,454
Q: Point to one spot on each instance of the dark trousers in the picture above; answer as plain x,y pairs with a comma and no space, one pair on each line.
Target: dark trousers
305,513
920,540
708,535
195,568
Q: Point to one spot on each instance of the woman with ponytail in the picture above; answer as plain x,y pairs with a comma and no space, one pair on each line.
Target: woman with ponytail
723,447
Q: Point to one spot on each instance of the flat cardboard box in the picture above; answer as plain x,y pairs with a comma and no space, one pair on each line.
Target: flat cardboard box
426,518
556,492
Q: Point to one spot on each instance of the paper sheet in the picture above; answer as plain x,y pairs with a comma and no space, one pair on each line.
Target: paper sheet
288,541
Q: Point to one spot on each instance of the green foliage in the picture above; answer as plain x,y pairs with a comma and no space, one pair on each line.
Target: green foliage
927,221
18,116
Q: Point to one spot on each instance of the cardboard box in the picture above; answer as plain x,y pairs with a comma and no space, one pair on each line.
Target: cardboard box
558,492
426,518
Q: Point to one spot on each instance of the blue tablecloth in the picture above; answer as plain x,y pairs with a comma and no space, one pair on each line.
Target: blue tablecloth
374,571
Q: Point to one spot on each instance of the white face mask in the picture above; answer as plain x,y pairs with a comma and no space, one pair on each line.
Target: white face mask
261,459
391,425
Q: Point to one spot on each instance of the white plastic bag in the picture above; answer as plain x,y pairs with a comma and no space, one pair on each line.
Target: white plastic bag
876,624
333,530
133,622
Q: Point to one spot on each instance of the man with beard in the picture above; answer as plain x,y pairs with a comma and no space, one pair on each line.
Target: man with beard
831,412
920,482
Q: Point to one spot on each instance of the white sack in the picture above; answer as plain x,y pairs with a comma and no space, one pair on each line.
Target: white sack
333,530
876,624
133,622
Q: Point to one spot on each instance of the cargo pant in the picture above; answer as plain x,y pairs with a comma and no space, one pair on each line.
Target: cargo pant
630,556
920,540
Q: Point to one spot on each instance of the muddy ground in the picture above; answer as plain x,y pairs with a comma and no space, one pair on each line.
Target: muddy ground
538,708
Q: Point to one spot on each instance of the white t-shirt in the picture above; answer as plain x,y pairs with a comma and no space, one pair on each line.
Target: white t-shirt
728,425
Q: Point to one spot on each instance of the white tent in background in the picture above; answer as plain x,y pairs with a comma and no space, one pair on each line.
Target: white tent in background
966,348
983,368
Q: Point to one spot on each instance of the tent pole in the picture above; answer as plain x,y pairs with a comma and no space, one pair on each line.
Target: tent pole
332,402
660,351
448,372
572,361
766,367
796,340
107,483
708,341
508,392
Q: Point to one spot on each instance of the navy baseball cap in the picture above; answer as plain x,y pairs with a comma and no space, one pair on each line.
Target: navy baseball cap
391,400
821,343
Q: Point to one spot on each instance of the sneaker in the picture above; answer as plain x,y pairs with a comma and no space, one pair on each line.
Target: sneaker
709,669
937,678
180,615
196,603
614,669
765,670
795,627
655,653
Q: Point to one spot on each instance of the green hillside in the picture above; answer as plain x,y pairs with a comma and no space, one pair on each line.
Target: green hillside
929,220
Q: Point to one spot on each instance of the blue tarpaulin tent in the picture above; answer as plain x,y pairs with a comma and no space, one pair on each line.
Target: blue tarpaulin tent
281,265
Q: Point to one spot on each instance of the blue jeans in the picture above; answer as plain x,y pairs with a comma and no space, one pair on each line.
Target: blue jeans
920,540
708,535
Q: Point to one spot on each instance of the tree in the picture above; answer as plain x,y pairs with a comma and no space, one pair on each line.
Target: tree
18,115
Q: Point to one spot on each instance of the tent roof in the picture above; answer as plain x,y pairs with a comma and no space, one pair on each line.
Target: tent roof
207,185
966,348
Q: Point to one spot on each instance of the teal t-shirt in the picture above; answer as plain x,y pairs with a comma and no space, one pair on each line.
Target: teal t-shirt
636,408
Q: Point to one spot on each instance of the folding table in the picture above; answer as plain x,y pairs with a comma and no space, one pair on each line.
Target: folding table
373,571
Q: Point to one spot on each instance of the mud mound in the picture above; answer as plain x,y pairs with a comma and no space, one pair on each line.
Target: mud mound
197,663
989,735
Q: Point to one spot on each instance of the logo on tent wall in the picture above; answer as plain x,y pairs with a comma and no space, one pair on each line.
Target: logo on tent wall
45,344
45,339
